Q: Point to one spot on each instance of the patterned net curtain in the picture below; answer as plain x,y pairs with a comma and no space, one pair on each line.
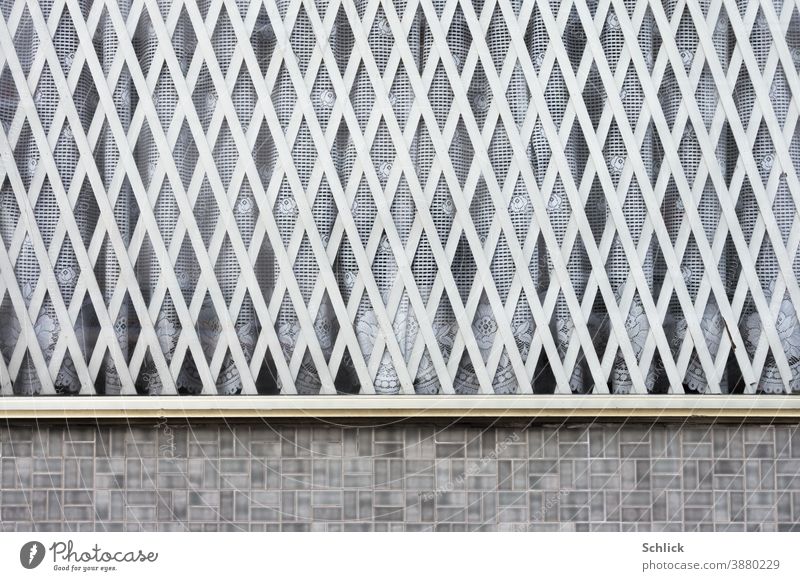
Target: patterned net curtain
399,197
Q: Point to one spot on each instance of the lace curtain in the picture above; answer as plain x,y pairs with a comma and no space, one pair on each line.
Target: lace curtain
504,230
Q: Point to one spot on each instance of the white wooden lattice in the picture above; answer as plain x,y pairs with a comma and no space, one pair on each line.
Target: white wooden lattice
399,196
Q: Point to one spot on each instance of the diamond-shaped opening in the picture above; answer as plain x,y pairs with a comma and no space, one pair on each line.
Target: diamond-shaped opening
46,97
384,268
340,39
481,210
326,326
264,151
772,380
165,100
381,38
387,380
66,155
544,381
307,381
127,327
87,328
227,270
27,381
206,212
9,213
208,327
578,268
26,39
267,379
539,265
109,379
284,97
401,97
167,327
466,382
229,380
263,40
403,208
323,98
67,272
363,210
125,95
745,98
248,326
673,210
498,37
306,269
426,382
205,98
346,269
106,155
416,32
443,211
464,268
148,380
735,383
246,212
712,326
265,269
485,326
65,41
185,156
184,39
440,93
11,329
86,98
301,32
324,210
287,327
594,95
244,99
86,212
189,382
424,267
346,381
761,39
502,267
523,325
126,211
187,270
10,101
147,268
707,98
501,156
578,376
47,328
304,154
126,333
223,40
166,212
146,154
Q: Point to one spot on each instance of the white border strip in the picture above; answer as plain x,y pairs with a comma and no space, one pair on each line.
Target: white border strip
544,406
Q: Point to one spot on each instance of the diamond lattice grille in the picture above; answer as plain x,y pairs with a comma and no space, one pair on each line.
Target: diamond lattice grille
399,196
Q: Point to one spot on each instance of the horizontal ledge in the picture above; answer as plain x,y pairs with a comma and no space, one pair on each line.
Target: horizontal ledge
404,406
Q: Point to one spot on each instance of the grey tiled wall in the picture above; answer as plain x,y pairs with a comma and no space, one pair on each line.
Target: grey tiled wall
260,476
